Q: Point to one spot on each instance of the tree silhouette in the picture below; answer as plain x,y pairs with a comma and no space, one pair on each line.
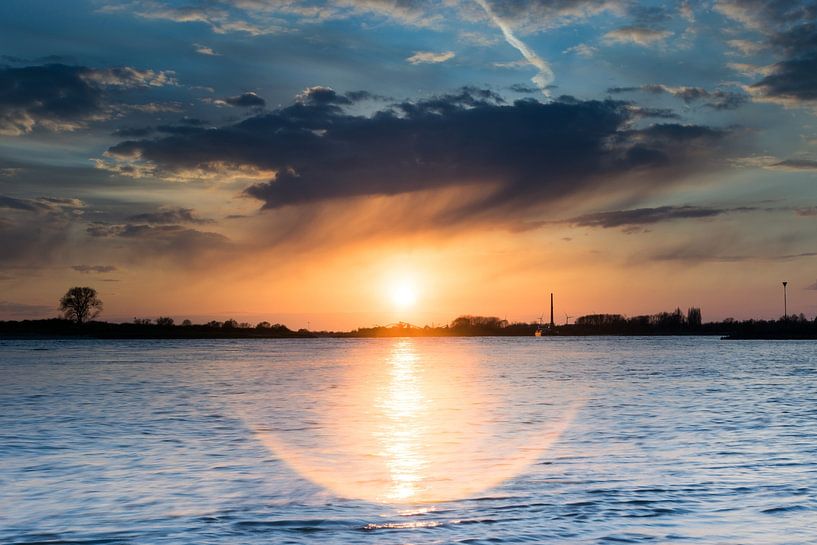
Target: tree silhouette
80,304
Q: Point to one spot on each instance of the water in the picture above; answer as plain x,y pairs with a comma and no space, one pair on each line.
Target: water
603,440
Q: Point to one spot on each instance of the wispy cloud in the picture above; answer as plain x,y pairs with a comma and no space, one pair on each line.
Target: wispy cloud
639,35
87,269
430,57
205,50
545,76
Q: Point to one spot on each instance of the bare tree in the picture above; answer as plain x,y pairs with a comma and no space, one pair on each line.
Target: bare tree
80,304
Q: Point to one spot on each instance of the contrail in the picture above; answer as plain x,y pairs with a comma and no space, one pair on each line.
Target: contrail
545,75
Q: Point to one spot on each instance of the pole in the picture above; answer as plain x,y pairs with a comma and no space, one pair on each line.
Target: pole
551,311
785,302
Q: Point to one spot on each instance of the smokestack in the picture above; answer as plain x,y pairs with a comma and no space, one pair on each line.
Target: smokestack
551,311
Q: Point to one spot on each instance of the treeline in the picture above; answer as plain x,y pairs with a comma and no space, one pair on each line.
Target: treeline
463,326
691,323
662,323
675,322
142,328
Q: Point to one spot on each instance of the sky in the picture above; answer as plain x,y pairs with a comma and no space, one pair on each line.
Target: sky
350,163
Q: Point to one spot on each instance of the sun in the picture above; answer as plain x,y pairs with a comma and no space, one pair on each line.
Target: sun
404,294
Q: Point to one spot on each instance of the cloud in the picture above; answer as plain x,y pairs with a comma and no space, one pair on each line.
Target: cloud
746,47
582,50
523,88
718,99
790,81
751,70
477,38
125,76
58,97
545,74
221,17
175,242
133,132
812,286
320,95
795,164
646,216
503,157
639,35
790,28
42,204
19,204
87,269
537,15
169,216
430,57
259,17
244,100
205,50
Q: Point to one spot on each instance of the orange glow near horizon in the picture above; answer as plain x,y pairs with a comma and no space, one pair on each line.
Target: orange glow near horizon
358,284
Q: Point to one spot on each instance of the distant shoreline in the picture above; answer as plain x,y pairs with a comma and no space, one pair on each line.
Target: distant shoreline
732,330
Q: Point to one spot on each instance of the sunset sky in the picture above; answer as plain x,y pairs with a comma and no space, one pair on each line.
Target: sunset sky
351,163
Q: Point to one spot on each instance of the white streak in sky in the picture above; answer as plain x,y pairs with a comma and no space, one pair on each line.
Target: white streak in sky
545,75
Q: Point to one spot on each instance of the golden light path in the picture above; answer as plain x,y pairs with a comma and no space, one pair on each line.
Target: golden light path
412,429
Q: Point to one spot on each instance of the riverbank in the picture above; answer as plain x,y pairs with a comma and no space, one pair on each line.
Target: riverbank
57,328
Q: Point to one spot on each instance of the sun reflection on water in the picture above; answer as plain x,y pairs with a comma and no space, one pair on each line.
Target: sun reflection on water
413,424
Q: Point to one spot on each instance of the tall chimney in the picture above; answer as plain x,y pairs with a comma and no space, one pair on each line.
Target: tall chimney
551,311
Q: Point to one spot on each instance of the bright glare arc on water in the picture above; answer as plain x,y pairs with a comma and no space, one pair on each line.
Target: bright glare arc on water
402,429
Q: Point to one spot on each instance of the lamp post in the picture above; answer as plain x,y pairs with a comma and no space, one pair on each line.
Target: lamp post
785,302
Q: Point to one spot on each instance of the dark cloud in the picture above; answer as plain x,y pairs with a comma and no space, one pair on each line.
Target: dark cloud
176,242
797,164
179,129
320,95
359,96
87,269
794,79
717,99
246,100
646,216
658,113
193,121
19,204
791,28
54,96
526,89
59,97
41,204
527,153
169,216
133,132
